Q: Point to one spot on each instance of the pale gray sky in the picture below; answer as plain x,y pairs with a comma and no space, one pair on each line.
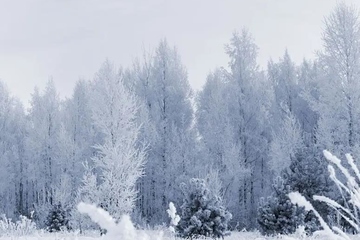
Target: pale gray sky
69,39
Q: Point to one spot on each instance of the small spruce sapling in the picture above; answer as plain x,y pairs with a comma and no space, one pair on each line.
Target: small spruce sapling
57,219
202,214
276,214
307,175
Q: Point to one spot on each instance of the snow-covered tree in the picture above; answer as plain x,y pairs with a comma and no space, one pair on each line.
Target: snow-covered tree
307,175
339,88
219,146
283,77
120,158
202,214
233,110
277,214
13,172
306,116
294,122
87,192
79,131
251,100
162,85
57,219
47,151
285,144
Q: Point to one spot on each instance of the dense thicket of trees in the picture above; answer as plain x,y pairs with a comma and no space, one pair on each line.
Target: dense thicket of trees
126,139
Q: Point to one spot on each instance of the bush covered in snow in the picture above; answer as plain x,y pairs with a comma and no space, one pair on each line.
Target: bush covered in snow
173,216
24,226
202,213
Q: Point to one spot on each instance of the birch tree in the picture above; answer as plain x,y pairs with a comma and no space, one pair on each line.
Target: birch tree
339,63
119,158
12,158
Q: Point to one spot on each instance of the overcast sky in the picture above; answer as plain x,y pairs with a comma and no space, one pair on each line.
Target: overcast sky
69,39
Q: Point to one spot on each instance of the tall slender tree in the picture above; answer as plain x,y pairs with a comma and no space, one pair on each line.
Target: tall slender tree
12,158
44,148
232,110
119,158
161,82
339,98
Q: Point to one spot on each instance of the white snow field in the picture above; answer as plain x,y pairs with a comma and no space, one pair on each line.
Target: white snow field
125,230
234,236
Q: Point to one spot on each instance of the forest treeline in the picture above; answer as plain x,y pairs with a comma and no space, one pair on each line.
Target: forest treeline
130,136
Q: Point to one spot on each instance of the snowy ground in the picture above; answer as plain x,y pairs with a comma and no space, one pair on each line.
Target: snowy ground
234,236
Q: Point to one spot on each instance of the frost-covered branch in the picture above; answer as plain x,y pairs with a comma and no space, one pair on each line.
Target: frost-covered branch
351,187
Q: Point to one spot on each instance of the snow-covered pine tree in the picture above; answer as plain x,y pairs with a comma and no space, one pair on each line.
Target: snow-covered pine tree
201,213
276,214
57,219
307,174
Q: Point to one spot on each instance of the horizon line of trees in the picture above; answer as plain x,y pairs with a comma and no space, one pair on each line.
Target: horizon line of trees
128,138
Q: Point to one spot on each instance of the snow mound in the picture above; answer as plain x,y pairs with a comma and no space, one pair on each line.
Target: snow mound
123,230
